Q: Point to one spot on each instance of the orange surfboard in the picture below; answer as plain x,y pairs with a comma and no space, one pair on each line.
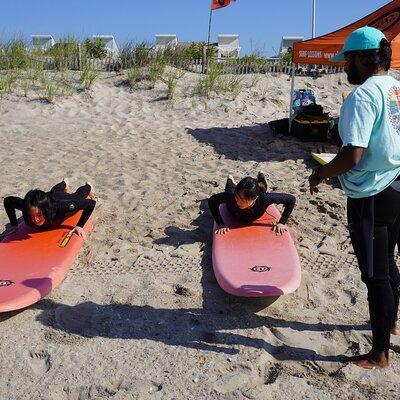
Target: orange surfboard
33,262
252,261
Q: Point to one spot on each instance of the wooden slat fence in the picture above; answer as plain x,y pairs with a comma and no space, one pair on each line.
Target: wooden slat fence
197,66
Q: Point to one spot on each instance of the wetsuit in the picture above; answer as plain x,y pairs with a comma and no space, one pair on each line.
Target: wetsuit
66,205
249,215
374,225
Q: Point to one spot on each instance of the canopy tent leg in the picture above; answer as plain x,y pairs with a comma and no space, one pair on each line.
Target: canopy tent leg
291,96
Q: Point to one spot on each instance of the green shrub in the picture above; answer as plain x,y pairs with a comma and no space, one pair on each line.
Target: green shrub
95,48
13,55
136,54
287,58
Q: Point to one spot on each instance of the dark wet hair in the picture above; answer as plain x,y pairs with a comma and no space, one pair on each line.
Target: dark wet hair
381,58
249,188
43,201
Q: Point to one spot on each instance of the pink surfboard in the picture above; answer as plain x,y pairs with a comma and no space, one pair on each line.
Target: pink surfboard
33,263
252,261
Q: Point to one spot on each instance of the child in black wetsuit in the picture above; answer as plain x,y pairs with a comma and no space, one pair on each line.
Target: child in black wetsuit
48,209
248,200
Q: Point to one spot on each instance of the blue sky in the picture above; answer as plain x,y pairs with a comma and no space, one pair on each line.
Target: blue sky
260,23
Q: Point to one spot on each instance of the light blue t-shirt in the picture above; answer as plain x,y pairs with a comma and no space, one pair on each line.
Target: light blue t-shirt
370,118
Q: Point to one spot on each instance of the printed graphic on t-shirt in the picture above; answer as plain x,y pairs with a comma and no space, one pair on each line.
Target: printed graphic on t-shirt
394,107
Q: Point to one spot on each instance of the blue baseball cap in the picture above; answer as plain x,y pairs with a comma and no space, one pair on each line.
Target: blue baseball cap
365,38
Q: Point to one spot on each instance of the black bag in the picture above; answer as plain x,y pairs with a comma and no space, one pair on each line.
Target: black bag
280,126
310,128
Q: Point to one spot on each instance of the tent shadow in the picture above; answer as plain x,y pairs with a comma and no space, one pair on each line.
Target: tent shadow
253,143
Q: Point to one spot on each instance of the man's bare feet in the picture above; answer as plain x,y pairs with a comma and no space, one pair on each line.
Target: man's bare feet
92,193
372,360
395,330
67,189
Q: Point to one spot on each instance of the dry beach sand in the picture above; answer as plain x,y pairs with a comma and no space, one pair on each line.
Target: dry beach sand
141,316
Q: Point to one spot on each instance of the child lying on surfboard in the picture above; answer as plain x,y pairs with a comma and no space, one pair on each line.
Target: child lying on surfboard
49,209
248,200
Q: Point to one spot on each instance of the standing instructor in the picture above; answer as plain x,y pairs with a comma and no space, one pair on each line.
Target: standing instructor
368,167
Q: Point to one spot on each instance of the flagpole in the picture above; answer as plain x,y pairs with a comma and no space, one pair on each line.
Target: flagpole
209,29
313,18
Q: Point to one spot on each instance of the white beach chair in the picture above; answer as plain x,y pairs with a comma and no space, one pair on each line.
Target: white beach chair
287,43
164,41
228,46
110,44
42,42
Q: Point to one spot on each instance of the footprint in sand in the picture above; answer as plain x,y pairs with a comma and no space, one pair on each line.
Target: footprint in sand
233,380
40,361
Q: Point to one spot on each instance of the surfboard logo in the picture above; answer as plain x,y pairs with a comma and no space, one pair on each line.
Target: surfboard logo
5,282
261,268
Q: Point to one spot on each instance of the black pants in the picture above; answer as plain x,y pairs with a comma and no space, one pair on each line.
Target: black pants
375,257
58,192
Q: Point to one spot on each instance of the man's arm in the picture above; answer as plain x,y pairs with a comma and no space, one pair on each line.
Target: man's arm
344,161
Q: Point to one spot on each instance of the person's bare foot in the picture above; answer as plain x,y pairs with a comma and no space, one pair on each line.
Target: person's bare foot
395,330
372,360
92,193
231,178
67,189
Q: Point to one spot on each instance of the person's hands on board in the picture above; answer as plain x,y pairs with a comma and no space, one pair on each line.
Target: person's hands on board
79,231
279,229
222,230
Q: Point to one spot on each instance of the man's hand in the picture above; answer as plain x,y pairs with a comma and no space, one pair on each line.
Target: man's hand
314,180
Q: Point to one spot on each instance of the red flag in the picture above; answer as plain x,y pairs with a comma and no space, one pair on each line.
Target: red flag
217,4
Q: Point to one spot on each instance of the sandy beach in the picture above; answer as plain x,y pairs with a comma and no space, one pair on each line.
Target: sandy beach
141,316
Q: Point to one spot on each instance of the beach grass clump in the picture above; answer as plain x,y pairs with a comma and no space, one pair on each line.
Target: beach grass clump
88,76
231,84
36,71
264,94
171,81
134,75
26,86
155,71
210,81
139,54
7,82
50,87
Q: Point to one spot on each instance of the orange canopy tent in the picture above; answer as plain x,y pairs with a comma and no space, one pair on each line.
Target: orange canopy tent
321,49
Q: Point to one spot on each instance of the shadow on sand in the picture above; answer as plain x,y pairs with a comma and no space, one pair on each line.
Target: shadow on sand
200,328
